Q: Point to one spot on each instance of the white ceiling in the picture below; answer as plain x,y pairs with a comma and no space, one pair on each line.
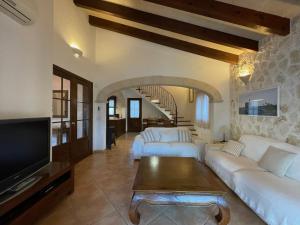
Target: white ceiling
284,8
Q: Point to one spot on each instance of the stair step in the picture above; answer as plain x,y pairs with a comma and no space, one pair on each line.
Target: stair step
195,134
192,129
185,125
183,121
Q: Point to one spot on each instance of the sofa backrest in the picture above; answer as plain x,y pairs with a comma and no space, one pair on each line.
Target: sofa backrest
294,170
156,131
256,146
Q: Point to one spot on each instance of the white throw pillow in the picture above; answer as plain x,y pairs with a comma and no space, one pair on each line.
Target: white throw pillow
277,161
294,170
233,147
170,135
184,135
148,136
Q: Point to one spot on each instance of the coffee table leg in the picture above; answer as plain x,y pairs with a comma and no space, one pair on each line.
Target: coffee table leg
223,216
134,215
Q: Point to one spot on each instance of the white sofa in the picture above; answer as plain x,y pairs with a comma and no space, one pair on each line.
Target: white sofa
193,149
275,199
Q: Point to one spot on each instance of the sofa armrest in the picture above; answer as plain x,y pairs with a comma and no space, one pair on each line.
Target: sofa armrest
137,147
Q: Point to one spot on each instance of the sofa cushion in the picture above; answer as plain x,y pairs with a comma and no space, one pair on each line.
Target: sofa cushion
156,149
148,136
182,149
156,131
225,165
234,148
294,170
184,135
274,199
170,135
277,161
172,149
256,146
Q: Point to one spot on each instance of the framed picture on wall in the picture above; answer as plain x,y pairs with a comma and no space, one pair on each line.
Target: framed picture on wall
260,103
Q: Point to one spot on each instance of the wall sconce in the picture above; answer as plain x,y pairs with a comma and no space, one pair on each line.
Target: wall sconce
76,51
245,72
191,95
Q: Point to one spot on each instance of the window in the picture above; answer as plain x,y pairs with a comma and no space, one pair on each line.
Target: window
202,110
134,109
112,105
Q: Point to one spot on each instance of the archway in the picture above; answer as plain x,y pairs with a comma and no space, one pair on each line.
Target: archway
107,91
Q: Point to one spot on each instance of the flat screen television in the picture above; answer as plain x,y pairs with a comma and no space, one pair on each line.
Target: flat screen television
24,149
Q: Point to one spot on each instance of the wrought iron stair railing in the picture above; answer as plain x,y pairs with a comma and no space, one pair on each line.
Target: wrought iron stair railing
162,97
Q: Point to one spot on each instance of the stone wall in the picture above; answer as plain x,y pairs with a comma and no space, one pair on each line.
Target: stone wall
276,64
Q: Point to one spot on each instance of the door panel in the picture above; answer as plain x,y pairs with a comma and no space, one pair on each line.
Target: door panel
61,118
134,114
81,129
72,116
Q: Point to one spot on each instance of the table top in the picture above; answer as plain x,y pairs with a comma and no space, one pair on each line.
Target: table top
176,174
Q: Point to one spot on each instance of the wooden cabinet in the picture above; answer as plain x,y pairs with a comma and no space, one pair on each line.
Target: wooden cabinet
119,126
57,181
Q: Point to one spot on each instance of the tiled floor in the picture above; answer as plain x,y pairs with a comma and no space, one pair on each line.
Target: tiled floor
102,195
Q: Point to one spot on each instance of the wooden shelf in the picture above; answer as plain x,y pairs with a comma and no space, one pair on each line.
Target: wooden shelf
25,208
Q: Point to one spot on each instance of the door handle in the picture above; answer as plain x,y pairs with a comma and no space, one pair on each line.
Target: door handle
73,123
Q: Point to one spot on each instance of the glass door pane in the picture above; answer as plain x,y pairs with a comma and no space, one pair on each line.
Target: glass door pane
61,114
134,109
83,111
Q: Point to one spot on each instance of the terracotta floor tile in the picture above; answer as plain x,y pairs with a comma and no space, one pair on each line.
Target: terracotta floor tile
162,220
111,219
102,195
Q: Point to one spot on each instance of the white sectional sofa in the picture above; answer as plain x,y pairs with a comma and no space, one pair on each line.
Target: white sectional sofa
195,148
275,199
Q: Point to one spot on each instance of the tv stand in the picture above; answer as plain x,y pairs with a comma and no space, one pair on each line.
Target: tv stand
17,189
27,201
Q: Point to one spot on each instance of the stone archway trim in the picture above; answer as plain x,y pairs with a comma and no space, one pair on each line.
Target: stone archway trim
211,91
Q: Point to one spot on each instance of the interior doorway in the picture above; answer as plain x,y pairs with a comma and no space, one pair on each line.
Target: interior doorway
72,116
134,114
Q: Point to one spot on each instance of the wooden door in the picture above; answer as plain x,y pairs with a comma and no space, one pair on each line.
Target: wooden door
134,114
81,145
72,116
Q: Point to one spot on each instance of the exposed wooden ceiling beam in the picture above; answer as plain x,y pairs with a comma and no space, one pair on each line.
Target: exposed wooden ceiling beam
169,24
164,40
257,20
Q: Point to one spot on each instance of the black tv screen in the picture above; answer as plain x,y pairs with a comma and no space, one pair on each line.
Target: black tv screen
24,149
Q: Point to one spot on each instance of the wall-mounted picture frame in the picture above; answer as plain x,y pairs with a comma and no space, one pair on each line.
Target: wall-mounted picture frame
260,102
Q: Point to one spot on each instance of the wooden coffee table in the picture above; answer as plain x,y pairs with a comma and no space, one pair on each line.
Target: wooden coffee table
177,181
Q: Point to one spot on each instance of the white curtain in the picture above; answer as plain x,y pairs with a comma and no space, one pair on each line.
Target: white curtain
202,110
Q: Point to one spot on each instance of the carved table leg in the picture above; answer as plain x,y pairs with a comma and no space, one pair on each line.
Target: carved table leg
134,215
223,216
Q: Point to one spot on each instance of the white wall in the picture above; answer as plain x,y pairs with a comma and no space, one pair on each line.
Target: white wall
71,27
119,57
26,65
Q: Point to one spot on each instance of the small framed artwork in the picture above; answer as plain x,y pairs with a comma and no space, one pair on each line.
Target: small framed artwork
260,103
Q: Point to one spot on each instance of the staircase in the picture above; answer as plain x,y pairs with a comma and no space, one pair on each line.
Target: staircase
164,101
